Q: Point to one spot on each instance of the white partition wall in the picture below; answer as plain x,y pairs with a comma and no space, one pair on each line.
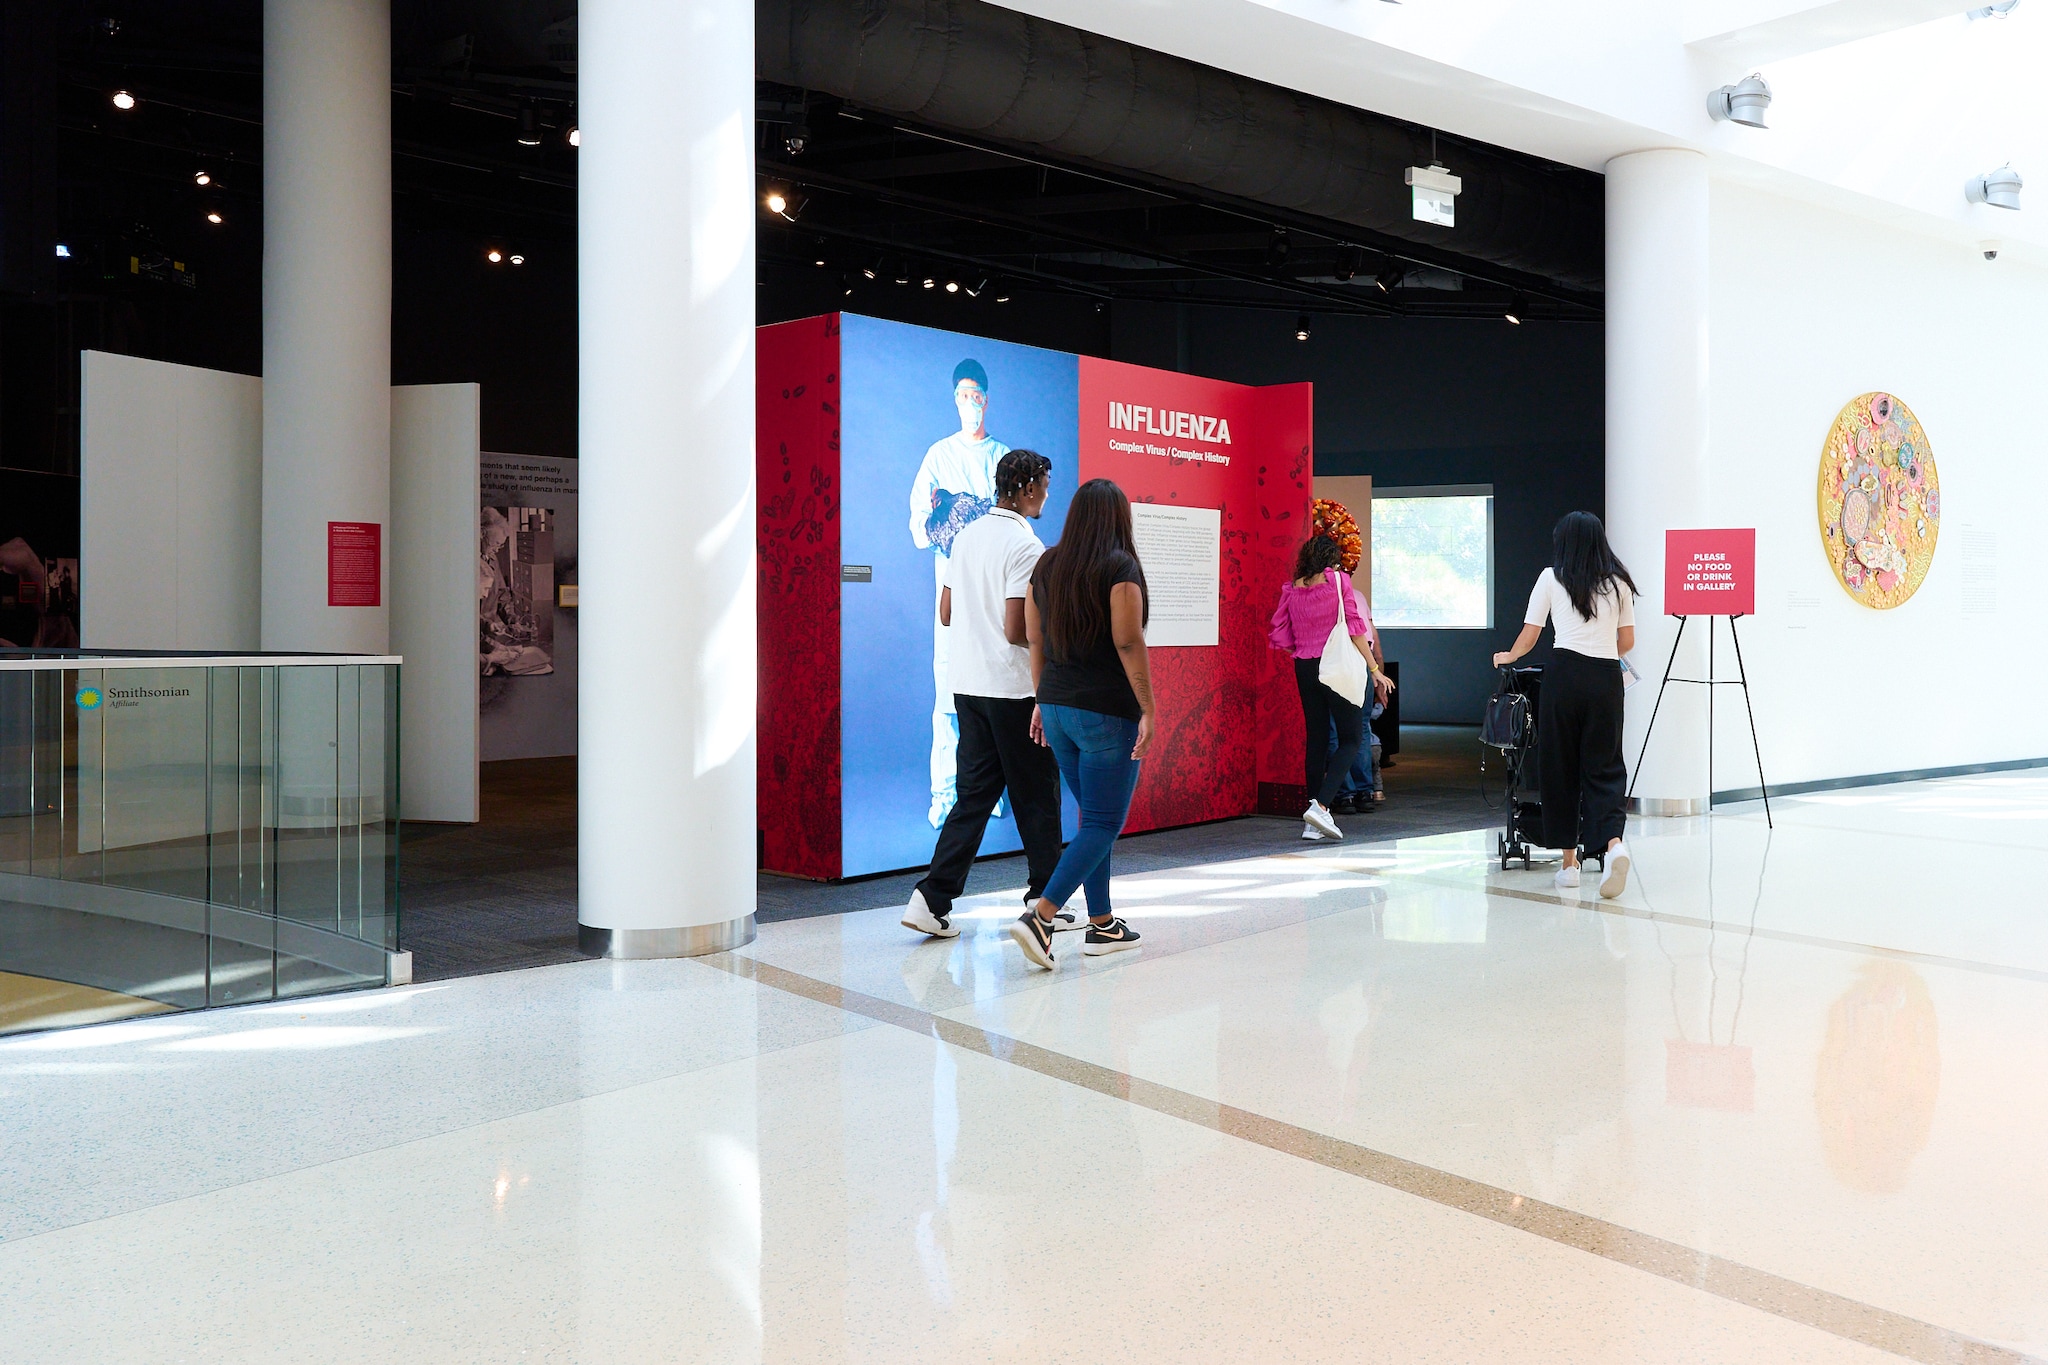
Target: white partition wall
171,505
434,440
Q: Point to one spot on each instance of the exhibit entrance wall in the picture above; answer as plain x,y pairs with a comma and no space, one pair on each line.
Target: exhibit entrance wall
867,469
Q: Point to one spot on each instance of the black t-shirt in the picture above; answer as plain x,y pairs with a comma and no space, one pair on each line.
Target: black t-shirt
1095,679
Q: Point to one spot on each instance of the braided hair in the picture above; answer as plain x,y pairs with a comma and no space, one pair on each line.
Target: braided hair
1018,470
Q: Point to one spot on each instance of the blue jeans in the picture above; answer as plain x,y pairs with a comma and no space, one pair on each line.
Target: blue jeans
1094,754
1364,777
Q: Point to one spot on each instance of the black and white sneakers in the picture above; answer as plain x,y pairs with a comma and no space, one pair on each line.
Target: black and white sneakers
1034,936
917,915
1113,937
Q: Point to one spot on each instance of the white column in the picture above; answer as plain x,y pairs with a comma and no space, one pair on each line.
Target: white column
326,311
1657,443
665,764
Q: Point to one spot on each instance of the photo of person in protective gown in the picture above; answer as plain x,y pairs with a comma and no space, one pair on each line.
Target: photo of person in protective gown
955,485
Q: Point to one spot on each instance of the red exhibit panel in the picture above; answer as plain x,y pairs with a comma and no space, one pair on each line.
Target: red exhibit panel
796,447
355,564
1710,573
1181,441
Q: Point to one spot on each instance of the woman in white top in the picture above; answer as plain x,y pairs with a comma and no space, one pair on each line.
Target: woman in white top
1589,597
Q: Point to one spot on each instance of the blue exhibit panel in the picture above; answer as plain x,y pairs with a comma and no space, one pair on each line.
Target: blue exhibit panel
899,420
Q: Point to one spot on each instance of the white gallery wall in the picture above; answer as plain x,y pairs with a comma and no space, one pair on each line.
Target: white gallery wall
171,505
435,434
1809,309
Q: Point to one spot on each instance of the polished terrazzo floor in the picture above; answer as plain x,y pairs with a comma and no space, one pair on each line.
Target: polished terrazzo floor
1783,1101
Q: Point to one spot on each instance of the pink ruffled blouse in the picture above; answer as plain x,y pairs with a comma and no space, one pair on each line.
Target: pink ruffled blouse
1302,621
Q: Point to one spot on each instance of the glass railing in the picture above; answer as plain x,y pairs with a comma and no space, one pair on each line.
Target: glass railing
179,831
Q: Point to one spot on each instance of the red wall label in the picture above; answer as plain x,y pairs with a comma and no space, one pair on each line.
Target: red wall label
355,564
1710,573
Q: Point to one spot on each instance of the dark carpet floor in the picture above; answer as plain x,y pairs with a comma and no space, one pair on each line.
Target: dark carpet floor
501,894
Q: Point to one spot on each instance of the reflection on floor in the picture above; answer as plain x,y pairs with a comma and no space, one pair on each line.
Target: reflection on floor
34,1002
1781,1101
501,894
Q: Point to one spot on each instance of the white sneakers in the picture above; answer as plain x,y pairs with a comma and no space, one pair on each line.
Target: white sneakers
1616,880
1319,819
1567,878
917,915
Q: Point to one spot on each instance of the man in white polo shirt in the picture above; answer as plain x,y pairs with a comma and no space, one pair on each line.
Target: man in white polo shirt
981,603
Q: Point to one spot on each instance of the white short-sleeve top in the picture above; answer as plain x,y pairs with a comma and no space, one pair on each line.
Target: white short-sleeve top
1614,606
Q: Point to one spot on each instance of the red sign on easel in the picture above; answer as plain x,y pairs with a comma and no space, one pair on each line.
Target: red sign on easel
1710,573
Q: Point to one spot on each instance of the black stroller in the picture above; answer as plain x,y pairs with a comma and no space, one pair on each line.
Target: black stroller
1510,726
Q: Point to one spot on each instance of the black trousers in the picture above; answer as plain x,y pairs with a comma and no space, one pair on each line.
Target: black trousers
1579,766
1324,771
996,752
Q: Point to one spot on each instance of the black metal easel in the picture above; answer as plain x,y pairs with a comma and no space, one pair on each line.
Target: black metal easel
1710,682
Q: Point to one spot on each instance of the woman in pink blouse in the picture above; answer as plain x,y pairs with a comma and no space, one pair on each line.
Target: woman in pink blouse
1301,626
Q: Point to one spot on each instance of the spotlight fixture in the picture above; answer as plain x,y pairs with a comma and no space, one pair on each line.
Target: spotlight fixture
1278,247
1743,102
202,178
1301,328
516,259
903,272
574,136
494,255
2000,188
776,201
1390,277
214,216
1350,261
952,286
871,271
796,138
784,204
1002,298
63,252
930,283
1514,310
974,290
846,282
820,261
529,127
123,100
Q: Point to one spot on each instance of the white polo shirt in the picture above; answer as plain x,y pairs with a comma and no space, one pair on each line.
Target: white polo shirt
991,562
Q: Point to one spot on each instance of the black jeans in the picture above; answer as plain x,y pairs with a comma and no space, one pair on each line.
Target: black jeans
1579,766
1319,707
996,752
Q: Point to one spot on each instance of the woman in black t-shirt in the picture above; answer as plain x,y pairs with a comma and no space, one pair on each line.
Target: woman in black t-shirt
1085,619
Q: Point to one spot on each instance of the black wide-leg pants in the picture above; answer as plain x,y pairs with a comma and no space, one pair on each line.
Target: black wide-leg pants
1579,766
996,752
1323,771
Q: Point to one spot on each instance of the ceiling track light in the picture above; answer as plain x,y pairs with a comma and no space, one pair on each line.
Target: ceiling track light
872,271
903,272
1301,327
1278,248
2000,188
202,178
574,136
494,256
952,286
1350,261
787,205
1390,277
516,259
1514,309
974,290
529,127
215,217
123,100
930,283
1743,102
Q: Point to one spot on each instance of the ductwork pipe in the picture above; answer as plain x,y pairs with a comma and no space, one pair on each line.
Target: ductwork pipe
975,68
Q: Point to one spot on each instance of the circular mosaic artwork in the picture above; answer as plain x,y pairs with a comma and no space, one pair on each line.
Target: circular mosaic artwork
1880,501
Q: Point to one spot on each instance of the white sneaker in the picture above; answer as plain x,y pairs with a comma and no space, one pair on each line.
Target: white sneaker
1317,817
917,915
1567,878
1616,879
1309,831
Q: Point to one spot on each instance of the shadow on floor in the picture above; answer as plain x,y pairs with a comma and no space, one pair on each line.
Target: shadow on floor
501,894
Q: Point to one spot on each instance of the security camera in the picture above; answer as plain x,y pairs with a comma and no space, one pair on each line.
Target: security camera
1990,249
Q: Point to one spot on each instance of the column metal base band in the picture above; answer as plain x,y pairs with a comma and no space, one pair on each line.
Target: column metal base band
1667,805
691,940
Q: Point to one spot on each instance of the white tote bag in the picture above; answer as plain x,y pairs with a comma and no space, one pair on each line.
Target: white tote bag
1343,669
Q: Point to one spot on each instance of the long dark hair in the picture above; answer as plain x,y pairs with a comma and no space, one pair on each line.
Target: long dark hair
1316,554
1584,562
1074,576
